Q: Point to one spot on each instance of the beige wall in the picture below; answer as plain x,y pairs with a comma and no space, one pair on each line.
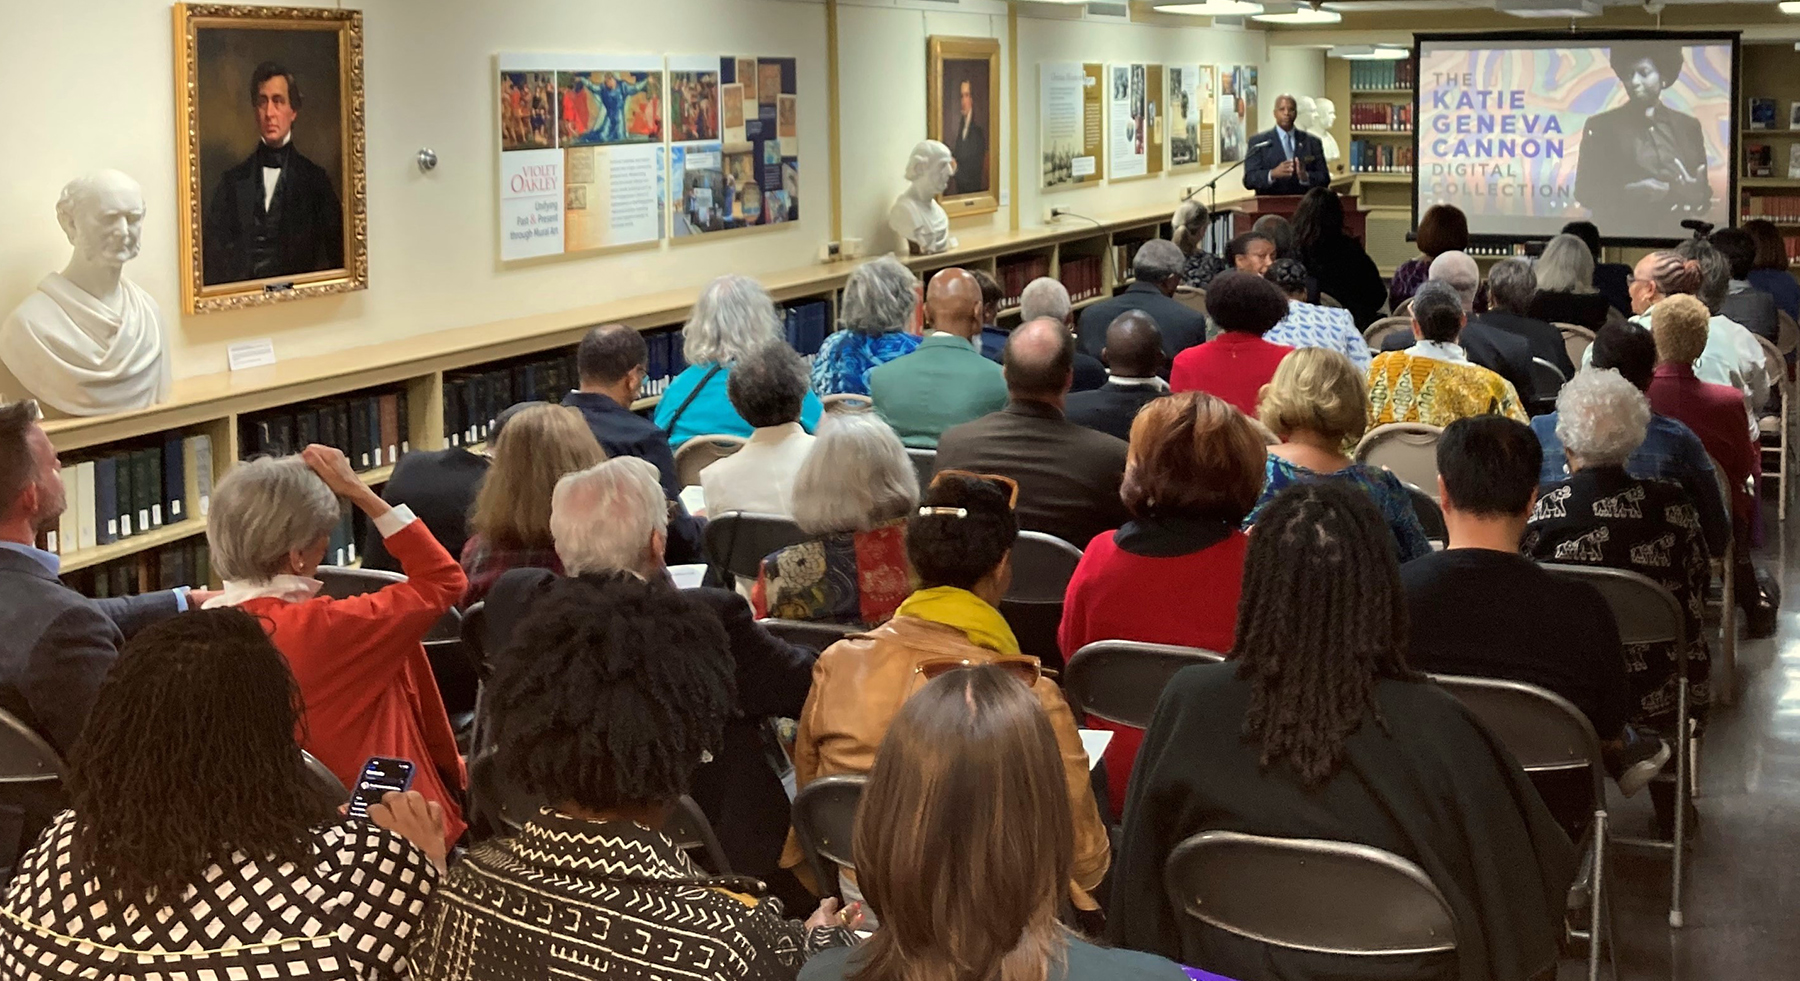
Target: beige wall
429,65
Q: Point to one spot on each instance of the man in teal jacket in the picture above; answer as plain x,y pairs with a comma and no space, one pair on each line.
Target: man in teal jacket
945,381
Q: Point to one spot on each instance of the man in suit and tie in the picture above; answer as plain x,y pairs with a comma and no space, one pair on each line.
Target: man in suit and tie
969,146
1133,355
1156,271
1285,160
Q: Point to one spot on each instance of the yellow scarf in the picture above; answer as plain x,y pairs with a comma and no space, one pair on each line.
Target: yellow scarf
966,612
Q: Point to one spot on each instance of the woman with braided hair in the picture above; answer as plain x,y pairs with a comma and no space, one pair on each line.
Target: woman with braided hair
1316,728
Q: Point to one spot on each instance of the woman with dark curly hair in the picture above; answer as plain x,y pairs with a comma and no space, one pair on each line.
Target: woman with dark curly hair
604,704
1316,728
1236,364
198,845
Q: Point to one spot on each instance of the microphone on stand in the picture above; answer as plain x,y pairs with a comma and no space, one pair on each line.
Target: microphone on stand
1239,162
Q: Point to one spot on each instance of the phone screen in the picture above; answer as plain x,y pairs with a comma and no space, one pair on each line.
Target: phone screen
380,775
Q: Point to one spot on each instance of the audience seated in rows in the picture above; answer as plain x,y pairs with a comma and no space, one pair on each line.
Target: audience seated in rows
59,643
1134,358
1046,298
960,545
1317,404
1433,381
1611,279
768,389
1253,252
879,302
604,706
610,524
1156,271
1713,413
362,672
852,496
1745,303
945,381
1318,728
1442,228
510,522
1771,271
1235,365
1309,324
1600,515
1068,475
1191,223
199,845
1336,261
1170,574
733,316
1465,604
1489,347
963,845
1565,287
1511,287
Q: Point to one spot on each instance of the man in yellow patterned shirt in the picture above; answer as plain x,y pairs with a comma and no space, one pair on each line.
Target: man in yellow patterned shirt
1433,382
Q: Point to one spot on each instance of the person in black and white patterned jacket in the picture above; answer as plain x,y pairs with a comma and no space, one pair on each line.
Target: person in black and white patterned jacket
198,846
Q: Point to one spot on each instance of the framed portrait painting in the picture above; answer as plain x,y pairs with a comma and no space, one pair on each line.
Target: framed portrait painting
269,117
963,113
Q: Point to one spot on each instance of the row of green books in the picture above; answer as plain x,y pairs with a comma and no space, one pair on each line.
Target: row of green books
132,489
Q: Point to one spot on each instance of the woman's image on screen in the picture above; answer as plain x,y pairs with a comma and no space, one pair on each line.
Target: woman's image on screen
1643,160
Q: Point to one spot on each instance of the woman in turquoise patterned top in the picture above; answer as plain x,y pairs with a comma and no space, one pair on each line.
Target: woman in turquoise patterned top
1317,403
880,300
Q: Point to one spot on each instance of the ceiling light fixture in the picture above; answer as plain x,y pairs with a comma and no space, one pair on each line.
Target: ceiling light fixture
1550,9
1368,52
1298,13
1789,6
1209,8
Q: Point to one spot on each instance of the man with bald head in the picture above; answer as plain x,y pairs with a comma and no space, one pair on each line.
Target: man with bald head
1499,351
1068,475
1133,356
945,380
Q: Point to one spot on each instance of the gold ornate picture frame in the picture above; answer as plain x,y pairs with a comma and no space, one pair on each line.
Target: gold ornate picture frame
269,117
963,112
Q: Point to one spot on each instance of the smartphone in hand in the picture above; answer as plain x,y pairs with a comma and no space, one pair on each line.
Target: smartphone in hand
380,775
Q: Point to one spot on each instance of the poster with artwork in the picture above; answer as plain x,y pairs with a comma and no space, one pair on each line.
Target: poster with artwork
1134,124
582,160
1237,111
1184,117
735,163
1209,114
1071,136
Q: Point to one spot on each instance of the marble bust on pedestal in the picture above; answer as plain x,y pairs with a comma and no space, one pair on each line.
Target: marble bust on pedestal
89,342
1325,114
917,217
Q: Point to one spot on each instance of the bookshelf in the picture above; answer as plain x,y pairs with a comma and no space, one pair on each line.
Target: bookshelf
1766,71
227,407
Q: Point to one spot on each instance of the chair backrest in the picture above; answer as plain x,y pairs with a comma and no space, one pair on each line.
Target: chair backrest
1774,363
1646,612
1546,379
1380,329
343,582
1325,897
1431,516
1193,299
825,824
737,541
812,634
474,637
1787,337
328,783
847,402
1576,340
699,452
1408,449
689,829
25,757
1404,309
1122,680
1541,729
924,463
1327,300
1042,567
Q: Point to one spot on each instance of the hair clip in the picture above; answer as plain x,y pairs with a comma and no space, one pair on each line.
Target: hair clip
927,512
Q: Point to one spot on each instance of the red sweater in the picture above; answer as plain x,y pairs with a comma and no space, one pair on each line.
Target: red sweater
1188,600
1233,366
364,675
1716,414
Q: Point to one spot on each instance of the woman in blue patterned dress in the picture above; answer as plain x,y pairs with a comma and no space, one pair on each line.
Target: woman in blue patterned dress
1313,325
880,300
1317,403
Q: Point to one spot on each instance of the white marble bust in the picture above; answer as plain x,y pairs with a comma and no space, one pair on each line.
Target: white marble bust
917,217
89,342
1325,117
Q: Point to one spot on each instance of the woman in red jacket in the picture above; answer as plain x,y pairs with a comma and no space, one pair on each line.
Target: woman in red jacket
1171,574
363,673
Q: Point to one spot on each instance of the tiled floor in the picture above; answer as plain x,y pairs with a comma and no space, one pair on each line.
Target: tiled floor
1743,888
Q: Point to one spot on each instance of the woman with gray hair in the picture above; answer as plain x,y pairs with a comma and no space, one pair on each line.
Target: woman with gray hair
1600,515
732,317
1565,286
1191,222
853,494
358,662
880,300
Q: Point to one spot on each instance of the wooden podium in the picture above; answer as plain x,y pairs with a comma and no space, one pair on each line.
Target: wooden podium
1244,213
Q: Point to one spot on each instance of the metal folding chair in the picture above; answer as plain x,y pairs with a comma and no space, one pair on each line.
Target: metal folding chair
700,452
847,402
1549,737
1649,614
924,463
1042,567
1430,515
1304,894
1576,340
1407,449
825,824
328,783
813,634
1547,381
1120,681
1380,329
1724,679
1775,364
691,832
738,541
31,790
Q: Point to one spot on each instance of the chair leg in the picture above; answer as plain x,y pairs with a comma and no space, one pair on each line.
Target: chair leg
1681,800
1724,674
1597,898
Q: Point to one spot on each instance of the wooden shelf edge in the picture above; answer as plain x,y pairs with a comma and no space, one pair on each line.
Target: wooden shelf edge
154,538
377,476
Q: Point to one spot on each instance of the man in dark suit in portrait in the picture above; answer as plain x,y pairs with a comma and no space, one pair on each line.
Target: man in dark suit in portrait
276,213
1285,160
969,146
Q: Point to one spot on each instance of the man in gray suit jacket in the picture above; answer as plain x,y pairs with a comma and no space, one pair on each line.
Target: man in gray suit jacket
55,644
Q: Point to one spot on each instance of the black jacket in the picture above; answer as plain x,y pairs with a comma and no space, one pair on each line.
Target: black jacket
1490,347
1345,271
1068,475
304,228
1181,326
1110,408
1613,280
971,160
740,792
622,432
1307,149
1581,309
1544,340
1755,310
440,487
